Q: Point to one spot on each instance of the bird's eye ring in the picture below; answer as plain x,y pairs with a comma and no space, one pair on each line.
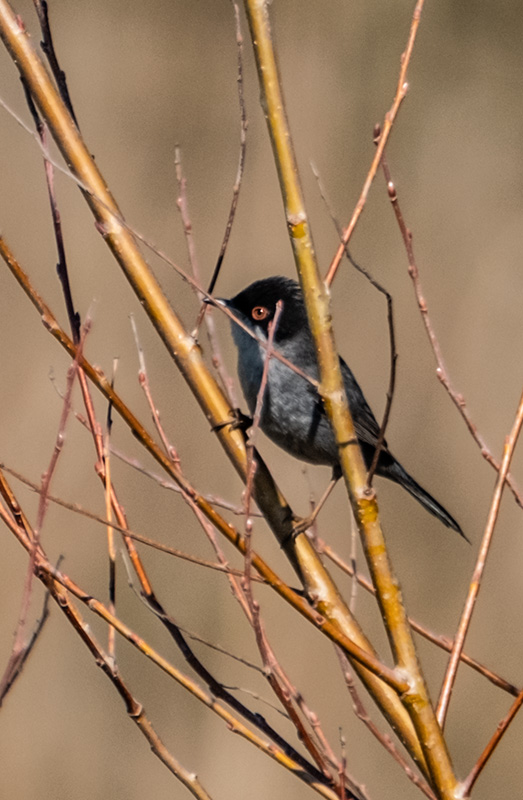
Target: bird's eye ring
259,313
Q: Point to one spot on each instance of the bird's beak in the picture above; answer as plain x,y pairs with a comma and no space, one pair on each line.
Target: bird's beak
219,301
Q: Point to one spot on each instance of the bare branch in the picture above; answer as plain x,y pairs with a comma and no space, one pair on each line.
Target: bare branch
500,731
441,370
19,657
390,117
475,582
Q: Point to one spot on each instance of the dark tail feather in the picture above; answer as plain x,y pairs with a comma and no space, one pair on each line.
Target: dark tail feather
396,473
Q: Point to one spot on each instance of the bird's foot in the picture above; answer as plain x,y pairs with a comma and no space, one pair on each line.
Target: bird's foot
238,421
302,524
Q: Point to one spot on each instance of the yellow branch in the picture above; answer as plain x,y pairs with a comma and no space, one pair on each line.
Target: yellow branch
364,504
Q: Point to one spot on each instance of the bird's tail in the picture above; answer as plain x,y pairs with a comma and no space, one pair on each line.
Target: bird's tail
396,473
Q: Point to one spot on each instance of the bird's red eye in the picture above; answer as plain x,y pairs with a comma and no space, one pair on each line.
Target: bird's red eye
259,313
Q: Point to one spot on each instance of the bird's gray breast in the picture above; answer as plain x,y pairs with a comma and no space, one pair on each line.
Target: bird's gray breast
292,414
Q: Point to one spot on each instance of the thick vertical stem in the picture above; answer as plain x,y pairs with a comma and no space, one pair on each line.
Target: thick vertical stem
364,504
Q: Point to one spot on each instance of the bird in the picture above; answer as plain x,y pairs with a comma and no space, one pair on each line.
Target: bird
292,414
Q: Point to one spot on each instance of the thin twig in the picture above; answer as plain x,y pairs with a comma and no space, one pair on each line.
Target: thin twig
48,48
143,380
353,563
390,319
61,267
18,658
227,382
243,147
390,117
343,763
220,502
466,616
60,436
441,370
111,549
251,461
216,354
500,731
438,639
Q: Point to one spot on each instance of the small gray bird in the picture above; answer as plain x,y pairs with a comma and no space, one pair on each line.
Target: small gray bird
293,415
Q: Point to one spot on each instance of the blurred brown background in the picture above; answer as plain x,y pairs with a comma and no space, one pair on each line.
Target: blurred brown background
144,77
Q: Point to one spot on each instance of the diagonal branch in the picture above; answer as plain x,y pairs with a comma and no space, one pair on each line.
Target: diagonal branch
481,561
441,370
390,117
20,654
500,731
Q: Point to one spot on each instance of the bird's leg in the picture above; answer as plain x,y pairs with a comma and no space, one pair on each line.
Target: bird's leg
302,524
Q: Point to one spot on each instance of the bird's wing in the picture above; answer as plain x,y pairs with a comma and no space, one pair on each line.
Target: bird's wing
367,428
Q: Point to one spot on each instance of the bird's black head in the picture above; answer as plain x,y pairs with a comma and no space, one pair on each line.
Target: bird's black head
257,305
